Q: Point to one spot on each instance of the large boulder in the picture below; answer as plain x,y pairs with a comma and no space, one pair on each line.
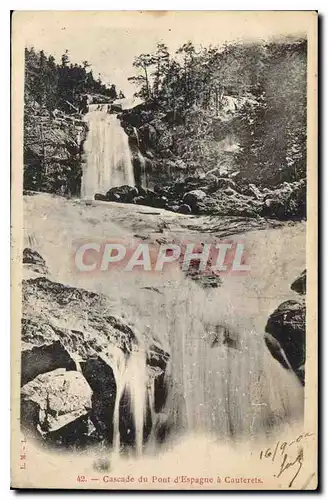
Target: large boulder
100,197
53,400
36,360
123,194
101,378
299,285
184,209
152,199
193,198
285,335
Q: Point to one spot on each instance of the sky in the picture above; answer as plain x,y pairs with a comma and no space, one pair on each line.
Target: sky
109,40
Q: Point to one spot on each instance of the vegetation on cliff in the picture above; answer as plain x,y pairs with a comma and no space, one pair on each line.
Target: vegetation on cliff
60,85
55,98
240,107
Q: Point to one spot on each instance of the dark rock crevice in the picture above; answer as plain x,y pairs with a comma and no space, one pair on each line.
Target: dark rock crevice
285,334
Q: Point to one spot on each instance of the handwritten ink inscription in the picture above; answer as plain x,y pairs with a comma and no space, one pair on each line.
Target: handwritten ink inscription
288,456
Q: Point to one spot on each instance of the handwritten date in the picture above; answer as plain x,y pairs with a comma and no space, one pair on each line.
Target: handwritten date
289,456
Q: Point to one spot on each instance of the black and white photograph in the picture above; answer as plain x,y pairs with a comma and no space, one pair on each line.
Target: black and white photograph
164,250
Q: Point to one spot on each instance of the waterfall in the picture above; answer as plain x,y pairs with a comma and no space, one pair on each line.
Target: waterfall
107,156
141,162
223,379
143,174
131,378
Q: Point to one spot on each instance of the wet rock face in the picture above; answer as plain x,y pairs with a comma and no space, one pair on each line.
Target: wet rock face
76,317
33,261
285,335
123,194
101,379
192,198
64,136
183,209
73,350
299,285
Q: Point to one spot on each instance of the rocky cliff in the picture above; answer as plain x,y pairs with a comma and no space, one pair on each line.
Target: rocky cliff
53,148
74,357
285,331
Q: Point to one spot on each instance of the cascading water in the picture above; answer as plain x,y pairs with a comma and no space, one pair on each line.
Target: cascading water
131,377
108,161
143,175
227,385
141,162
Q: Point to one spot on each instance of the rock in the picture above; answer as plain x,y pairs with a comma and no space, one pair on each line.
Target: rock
116,197
276,349
140,200
115,108
184,209
100,377
76,434
53,400
299,284
229,191
274,208
162,427
148,135
148,154
286,327
48,357
150,198
124,194
178,187
208,207
287,201
100,197
206,281
63,135
33,261
175,208
32,257
252,190
193,198
157,357
78,318
208,195
225,182
160,391
161,202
